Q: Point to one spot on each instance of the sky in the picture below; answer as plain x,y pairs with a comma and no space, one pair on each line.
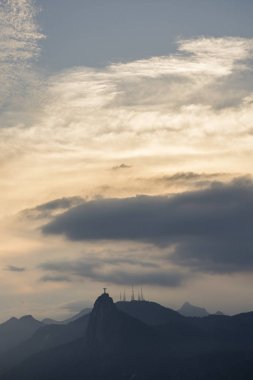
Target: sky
126,132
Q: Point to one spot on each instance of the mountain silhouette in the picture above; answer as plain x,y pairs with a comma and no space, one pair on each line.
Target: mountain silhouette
111,340
14,331
114,345
50,321
149,312
110,329
45,338
188,310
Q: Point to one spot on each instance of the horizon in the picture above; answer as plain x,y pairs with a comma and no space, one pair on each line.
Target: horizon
126,132
117,300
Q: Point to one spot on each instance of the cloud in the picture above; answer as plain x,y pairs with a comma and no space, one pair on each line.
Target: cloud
13,268
144,107
202,56
191,176
189,180
55,278
164,82
18,48
61,203
52,207
207,230
74,306
159,114
121,166
100,271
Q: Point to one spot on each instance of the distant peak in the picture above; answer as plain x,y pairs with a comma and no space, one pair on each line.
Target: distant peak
103,302
219,313
13,319
102,321
189,310
27,317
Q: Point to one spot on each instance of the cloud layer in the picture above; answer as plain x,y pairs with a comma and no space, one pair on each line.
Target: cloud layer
106,271
173,123
207,230
13,268
18,49
143,113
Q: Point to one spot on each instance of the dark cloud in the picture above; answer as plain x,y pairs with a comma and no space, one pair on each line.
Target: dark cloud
55,278
191,176
209,230
121,166
13,268
98,272
52,207
61,203
191,179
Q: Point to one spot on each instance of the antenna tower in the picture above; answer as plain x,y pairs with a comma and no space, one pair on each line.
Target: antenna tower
132,296
142,297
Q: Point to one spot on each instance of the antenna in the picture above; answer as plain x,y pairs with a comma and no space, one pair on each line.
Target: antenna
120,296
132,296
139,296
142,297
124,296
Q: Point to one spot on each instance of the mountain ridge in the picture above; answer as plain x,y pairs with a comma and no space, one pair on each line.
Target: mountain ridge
115,345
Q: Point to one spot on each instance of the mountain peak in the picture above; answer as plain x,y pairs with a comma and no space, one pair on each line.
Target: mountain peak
103,304
111,331
28,317
102,321
189,310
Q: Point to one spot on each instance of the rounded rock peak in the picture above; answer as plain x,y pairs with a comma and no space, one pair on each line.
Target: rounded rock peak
104,301
27,317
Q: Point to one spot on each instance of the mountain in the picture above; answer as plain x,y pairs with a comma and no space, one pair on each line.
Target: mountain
14,331
54,335
117,346
111,347
219,313
45,338
111,329
49,321
81,313
149,312
188,310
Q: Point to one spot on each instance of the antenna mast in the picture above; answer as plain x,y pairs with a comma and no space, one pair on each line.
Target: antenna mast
142,297
132,296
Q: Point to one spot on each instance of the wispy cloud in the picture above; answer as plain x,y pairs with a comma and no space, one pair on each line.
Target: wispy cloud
188,180
55,278
190,110
52,208
14,268
102,272
215,57
18,47
121,166
174,95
